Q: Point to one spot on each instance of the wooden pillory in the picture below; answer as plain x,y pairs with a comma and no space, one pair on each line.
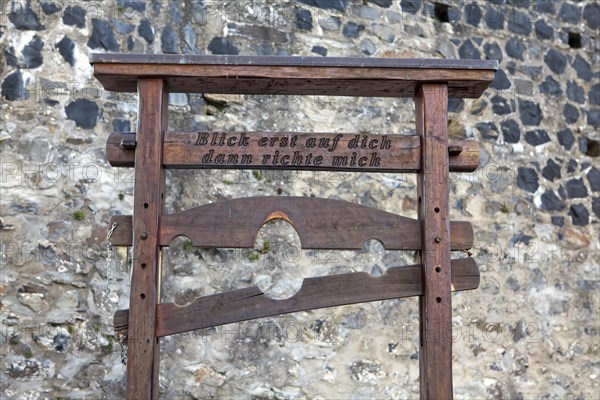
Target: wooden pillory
320,223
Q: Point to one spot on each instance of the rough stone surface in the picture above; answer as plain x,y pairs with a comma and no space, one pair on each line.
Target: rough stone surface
593,118
121,125
551,171
303,19
330,22
591,15
492,51
352,30
515,48
410,6
537,137
102,36
551,86
543,30
556,61
501,106
84,112
558,221
570,13
66,47
519,22
594,94
583,68
49,8
338,5
30,56
169,41
528,332
551,202
368,47
494,17
572,166
146,30
510,131
75,16
320,50
579,214
594,179
382,3
488,130
13,87
221,45
23,17
575,93
501,81
527,179
570,113
472,14
468,51
576,189
596,206
530,113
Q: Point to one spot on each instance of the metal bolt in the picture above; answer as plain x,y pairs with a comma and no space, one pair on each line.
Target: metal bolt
438,239
144,235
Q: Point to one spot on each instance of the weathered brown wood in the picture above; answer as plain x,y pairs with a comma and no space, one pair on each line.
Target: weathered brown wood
289,150
123,233
319,292
435,355
143,353
293,61
328,76
320,224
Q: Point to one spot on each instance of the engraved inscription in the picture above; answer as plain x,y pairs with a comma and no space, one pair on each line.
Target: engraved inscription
293,150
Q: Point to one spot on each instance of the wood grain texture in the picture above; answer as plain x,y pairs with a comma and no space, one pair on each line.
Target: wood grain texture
319,292
403,154
320,224
143,353
435,304
294,75
293,61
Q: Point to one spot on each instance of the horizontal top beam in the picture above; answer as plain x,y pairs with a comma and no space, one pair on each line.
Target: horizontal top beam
279,75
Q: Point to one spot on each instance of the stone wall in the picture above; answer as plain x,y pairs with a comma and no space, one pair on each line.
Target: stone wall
530,331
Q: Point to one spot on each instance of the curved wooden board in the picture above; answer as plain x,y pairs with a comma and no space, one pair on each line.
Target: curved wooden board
320,292
181,151
320,224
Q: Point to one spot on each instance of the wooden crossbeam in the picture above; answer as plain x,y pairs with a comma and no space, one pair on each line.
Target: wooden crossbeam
291,151
320,292
322,76
320,224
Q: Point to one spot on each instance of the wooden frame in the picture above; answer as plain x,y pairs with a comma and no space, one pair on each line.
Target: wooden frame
320,223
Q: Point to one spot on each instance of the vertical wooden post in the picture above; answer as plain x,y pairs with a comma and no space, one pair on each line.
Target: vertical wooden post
143,349
435,307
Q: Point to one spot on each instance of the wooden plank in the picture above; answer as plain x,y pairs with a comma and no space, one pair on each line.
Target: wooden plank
143,352
320,224
123,233
292,61
294,75
435,355
293,151
319,292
